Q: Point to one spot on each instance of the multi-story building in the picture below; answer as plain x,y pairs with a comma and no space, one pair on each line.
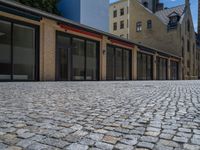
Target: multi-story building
119,18
169,29
38,46
93,13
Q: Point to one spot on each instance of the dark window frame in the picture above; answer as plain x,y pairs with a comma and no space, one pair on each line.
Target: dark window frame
37,48
139,26
122,12
149,24
130,63
140,71
115,26
71,36
114,13
122,24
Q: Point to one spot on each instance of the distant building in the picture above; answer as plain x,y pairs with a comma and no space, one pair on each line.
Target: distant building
169,29
119,15
93,13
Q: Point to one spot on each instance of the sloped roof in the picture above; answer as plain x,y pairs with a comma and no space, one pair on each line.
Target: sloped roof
163,15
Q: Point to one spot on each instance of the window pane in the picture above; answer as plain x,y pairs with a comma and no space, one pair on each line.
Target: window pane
139,66
78,59
118,63
5,50
23,52
149,67
110,63
126,65
63,46
91,61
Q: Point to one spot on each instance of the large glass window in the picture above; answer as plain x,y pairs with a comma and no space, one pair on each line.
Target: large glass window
5,50
78,65
17,52
144,66
118,63
126,65
174,70
161,68
110,63
77,58
23,52
91,60
63,46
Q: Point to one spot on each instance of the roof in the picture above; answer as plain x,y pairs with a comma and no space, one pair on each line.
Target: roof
34,11
163,15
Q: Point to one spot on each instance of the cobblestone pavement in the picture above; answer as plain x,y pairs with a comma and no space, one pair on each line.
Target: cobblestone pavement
137,115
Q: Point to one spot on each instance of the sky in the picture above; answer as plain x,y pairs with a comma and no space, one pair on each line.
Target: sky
171,3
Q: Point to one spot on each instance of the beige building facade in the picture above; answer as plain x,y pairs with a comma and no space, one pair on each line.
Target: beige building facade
38,46
157,30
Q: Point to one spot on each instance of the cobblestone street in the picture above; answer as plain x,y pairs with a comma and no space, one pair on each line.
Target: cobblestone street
160,115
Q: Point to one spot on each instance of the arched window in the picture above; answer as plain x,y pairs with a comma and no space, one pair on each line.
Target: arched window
149,24
139,26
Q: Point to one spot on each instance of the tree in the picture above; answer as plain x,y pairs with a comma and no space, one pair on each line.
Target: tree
45,5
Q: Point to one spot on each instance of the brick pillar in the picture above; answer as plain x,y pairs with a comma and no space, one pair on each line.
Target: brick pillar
180,69
134,63
154,67
48,50
169,69
103,52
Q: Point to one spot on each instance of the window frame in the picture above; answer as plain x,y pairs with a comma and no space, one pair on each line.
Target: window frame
36,45
139,26
122,12
71,36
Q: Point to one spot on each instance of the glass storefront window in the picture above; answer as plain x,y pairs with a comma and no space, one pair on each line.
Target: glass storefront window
126,65
144,66
5,50
17,51
110,63
23,52
118,63
161,68
63,43
77,58
78,64
91,60
174,70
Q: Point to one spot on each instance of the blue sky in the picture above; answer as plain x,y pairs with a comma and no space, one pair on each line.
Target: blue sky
171,3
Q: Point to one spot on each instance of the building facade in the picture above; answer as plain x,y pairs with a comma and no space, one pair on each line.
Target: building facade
88,12
170,30
38,46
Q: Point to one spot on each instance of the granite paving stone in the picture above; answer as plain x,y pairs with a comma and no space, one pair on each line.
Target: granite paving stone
118,115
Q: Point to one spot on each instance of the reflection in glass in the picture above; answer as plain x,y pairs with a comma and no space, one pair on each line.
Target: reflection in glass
5,50
63,45
118,62
78,57
110,63
23,52
126,65
91,60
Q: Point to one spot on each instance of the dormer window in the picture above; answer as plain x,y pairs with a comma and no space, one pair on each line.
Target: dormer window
146,4
173,20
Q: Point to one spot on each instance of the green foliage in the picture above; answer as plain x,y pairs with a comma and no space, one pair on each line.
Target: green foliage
45,5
